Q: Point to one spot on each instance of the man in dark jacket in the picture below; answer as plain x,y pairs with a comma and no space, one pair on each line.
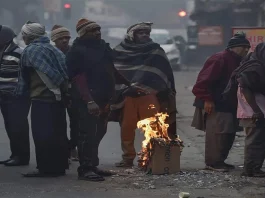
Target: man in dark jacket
15,110
219,116
93,77
61,37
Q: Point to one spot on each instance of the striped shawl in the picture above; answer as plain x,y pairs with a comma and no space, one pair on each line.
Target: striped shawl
146,65
43,57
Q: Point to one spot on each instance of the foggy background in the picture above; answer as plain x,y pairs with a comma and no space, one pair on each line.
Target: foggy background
201,17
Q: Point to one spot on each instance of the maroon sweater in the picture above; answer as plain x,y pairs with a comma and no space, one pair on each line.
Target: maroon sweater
213,79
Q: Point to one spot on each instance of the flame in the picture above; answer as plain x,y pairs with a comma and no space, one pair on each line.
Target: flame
153,127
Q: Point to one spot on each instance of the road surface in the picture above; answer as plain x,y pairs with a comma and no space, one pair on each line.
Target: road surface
132,183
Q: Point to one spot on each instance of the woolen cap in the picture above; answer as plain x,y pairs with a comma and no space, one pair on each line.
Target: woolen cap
84,25
58,32
238,40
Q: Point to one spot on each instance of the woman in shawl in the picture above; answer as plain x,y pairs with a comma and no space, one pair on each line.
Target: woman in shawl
249,81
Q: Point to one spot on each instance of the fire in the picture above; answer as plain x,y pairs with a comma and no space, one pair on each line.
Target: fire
154,128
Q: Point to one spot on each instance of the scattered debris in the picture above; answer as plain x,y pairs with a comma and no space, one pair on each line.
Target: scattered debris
184,195
130,171
191,179
152,187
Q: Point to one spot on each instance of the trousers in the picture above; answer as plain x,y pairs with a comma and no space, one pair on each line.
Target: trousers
220,136
91,131
49,131
73,128
254,149
135,109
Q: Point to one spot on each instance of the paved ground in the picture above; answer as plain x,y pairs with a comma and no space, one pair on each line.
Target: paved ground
132,183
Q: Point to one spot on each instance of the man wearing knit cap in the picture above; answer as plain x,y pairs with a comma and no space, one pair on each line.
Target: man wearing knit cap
93,78
14,110
61,37
218,115
43,74
145,63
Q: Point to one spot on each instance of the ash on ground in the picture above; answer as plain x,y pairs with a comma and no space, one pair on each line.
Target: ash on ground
198,179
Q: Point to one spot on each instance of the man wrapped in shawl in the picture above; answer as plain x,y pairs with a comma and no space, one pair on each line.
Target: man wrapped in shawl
145,64
249,82
43,75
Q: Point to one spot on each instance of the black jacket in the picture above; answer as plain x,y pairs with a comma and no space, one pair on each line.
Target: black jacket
93,58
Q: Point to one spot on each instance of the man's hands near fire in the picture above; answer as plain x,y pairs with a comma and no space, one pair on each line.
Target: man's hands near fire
93,108
209,107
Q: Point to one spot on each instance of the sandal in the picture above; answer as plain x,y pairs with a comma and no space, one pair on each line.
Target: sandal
91,176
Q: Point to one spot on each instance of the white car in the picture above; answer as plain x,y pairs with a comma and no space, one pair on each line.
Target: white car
162,37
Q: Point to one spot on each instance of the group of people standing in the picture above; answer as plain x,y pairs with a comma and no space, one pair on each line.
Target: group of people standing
230,96
93,82
97,84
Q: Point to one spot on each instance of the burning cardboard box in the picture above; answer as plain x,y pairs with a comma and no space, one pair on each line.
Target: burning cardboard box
159,154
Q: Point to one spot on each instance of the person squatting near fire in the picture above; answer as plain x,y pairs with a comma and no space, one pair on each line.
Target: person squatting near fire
217,117
61,37
93,78
14,109
145,64
43,74
248,81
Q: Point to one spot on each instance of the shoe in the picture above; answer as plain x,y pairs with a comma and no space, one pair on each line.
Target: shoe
16,162
42,174
101,172
217,168
90,176
5,161
258,173
229,166
124,164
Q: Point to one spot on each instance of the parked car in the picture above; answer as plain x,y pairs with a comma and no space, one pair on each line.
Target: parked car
162,37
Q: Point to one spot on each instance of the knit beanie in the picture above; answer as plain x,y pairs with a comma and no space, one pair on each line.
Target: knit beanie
58,32
85,25
238,40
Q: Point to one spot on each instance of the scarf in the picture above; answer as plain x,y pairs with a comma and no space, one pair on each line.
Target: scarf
44,57
139,26
146,65
33,30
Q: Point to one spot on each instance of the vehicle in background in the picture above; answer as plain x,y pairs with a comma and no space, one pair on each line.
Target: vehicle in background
162,37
